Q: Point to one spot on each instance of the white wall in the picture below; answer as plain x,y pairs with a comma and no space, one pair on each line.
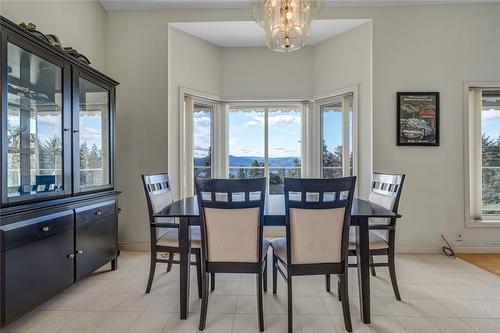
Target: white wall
343,61
79,24
259,73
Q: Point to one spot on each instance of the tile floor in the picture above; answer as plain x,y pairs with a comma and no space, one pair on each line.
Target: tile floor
439,295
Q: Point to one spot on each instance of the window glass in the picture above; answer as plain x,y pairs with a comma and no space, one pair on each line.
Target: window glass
202,141
490,151
246,143
284,146
94,135
34,124
336,130
248,156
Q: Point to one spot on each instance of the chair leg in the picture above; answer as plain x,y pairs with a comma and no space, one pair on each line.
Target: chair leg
264,277
327,282
170,261
339,296
344,289
212,281
152,269
392,273
204,301
260,301
275,274
199,274
290,305
372,268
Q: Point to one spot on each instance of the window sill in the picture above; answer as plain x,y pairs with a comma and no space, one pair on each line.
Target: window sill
490,223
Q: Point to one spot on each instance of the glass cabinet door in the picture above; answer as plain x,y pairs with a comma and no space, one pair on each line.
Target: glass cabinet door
34,125
93,118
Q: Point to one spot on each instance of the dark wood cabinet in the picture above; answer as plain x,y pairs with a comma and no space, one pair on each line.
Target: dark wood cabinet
95,236
58,207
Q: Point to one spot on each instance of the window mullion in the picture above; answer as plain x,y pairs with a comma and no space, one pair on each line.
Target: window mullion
345,136
266,147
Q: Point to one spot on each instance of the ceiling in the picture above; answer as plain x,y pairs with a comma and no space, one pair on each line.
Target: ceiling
249,33
219,4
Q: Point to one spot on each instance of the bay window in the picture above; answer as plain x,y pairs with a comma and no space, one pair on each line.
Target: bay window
232,139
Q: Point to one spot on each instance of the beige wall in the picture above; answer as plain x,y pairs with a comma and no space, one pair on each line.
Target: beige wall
414,48
193,64
79,24
259,73
344,61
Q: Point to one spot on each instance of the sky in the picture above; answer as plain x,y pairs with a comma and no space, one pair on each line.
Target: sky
246,132
490,123
49,125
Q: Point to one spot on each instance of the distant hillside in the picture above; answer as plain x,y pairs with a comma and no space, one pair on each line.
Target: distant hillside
246,161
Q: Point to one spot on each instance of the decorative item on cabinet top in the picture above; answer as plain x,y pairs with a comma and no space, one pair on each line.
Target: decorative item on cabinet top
54,41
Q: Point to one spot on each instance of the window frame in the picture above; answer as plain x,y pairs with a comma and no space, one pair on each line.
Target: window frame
311,160
186,153
473,161
317,127
213,107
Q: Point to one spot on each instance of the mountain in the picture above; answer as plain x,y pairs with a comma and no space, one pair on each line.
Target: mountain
246,161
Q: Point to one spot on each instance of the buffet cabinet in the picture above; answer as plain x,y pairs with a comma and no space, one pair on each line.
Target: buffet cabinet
59,207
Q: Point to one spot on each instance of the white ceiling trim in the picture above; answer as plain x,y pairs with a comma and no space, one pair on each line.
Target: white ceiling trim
111,5
250,34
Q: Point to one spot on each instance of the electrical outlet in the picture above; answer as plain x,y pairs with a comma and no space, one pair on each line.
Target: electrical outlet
459,237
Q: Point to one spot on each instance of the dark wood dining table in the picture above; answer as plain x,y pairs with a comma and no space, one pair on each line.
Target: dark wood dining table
186,210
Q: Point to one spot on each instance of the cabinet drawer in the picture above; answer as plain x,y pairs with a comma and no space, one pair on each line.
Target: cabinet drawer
35,272
28,231
96,211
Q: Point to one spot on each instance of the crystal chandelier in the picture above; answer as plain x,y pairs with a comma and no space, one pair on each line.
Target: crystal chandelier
286,23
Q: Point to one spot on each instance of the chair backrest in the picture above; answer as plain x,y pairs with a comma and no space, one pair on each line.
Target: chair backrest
385,192
318,213
158,192
232,212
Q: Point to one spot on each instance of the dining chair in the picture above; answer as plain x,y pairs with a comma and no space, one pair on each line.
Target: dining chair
165,231
386,192
317,218
232,217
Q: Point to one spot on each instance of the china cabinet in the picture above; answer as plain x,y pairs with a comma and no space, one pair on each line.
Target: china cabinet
58,214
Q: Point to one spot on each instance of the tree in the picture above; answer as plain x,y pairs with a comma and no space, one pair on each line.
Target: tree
490,174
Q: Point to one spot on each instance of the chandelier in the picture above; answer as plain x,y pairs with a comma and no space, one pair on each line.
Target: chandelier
286,23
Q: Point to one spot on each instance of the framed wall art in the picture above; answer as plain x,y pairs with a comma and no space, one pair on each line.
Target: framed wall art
418,119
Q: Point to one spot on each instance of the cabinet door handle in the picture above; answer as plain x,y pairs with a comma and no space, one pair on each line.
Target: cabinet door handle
80,252
71,255
98,212
66,130
76,131
45,229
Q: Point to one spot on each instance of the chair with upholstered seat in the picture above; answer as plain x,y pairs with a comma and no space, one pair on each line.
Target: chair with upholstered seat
386,192
318,213
232,216
165,231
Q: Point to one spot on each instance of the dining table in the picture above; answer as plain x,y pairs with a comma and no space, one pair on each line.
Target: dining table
187,212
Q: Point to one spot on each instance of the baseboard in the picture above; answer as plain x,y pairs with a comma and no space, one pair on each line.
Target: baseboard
415,249
472,248
134,246
465,248
401,249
